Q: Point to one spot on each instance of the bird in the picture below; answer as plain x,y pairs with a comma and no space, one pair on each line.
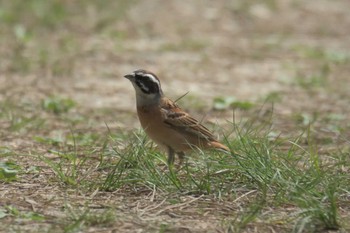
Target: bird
165,122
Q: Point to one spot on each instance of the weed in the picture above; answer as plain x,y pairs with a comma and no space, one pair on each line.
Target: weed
273,97
271,181
71,168
8,171
14,212
57,104
317,53
78,218
5,151
20,118
223,103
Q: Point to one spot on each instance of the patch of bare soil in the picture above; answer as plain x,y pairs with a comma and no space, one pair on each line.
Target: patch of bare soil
298,50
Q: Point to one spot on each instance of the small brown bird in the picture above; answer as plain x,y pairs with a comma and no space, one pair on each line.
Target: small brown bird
165,122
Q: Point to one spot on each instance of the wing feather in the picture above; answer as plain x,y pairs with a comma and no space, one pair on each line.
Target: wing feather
181,121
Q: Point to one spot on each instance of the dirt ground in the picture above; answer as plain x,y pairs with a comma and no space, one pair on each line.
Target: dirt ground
295,51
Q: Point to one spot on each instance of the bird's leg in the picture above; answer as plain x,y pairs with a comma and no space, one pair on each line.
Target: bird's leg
181,155
171,156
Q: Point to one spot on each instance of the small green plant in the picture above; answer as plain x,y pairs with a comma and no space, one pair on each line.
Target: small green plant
8,171
134,164
21,34
318,211
319,53
313,81
53,141
304,118
14,212
80,218
273,97
82,139
67,169
5,151
58,104
21,117
70,168
223,103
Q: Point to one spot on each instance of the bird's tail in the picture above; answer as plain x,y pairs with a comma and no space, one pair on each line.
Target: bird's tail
219,146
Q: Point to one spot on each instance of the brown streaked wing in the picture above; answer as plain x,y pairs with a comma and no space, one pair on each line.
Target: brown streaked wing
183,122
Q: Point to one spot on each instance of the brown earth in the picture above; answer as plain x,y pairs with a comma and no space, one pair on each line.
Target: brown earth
298,50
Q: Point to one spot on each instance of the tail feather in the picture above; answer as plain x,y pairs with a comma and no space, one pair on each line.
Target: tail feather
219,146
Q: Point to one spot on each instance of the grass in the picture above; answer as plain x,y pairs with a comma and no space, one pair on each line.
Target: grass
57,104
281,181
69,163
79,217
273,173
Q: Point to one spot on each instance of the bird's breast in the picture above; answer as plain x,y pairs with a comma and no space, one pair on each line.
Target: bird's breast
152,121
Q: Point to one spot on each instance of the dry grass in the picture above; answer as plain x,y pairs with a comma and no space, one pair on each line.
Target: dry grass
67,115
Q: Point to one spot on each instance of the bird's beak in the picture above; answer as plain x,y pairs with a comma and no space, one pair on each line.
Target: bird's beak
129,76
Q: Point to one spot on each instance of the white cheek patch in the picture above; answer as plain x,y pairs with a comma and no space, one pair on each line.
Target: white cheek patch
142,86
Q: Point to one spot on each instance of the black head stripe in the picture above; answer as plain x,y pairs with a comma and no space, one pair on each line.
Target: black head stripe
148,83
